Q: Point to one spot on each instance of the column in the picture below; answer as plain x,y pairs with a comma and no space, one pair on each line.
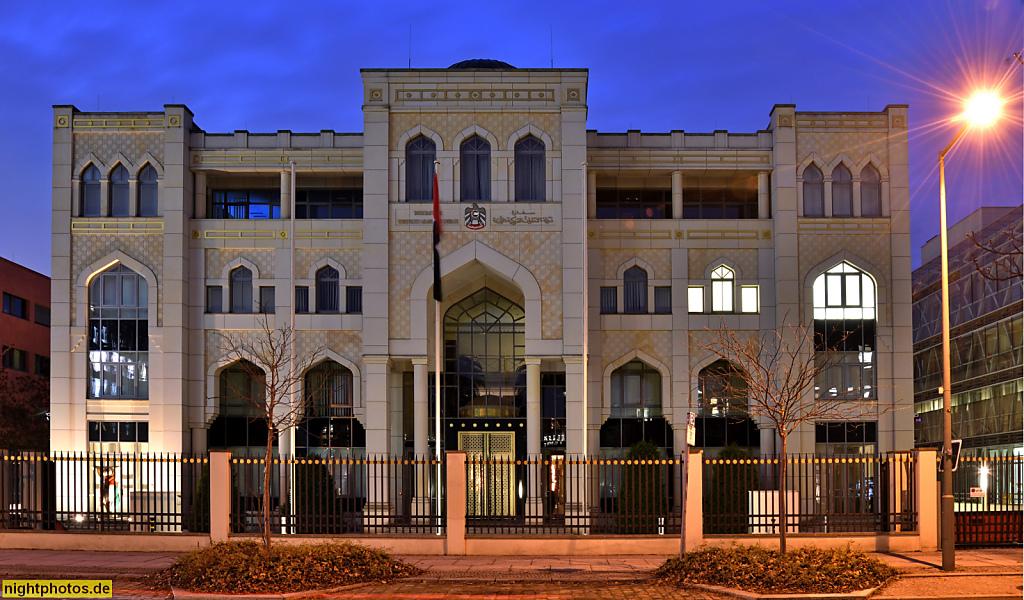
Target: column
421,434
591,194
763,204
286,194
378,433
535,503
677,194
200,196
828,195
133,197
575,446
856,197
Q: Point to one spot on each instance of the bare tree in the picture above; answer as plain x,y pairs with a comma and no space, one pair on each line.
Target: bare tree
999,258
782,369
266,357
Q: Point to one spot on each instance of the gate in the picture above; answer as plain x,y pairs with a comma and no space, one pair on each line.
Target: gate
988,495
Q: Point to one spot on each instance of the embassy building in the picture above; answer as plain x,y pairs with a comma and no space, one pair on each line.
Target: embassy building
170,241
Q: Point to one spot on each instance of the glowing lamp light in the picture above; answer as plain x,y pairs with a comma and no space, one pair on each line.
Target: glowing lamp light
983,108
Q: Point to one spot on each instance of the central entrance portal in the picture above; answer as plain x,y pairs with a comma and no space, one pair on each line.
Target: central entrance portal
490,486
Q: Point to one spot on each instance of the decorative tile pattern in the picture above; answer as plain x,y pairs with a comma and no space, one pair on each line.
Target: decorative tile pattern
657,344
502,125
106,145
217,259
816,248
698,260
659,259
856,145
352,260
540,252
89,248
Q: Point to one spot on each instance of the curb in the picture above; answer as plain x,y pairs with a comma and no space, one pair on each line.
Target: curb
180,594
862,594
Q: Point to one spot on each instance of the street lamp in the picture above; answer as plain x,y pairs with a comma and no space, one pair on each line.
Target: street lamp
981,109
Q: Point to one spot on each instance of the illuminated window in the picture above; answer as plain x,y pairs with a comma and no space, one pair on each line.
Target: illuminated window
749,301
722,279
695,298
118,345
844,332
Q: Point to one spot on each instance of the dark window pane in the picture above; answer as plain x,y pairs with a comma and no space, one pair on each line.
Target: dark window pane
609,300
420,154
475,162
663,300
354,299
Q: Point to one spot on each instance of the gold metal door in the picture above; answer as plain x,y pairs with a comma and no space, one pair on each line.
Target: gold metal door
491,474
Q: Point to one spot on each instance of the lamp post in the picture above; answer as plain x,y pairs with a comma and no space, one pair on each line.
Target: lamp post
982,109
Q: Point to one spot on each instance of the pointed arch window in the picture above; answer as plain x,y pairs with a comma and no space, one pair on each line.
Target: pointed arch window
634,291
242,393
636,414
147,191
328,290
241,290
331,428
814,192
119,192
842,192
722,281
530,170
118,335
420,154
721,391
844,332
90,192
870,192
475,161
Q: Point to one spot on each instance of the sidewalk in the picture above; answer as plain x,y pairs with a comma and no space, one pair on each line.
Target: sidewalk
985,574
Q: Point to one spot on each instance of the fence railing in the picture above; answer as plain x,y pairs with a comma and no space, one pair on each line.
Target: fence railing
103,492
988,498
570,495
323,496
833,494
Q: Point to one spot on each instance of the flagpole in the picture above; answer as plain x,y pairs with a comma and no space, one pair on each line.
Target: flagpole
437,340
585,311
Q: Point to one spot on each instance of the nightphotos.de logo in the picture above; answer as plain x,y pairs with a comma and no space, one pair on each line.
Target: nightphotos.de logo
476,217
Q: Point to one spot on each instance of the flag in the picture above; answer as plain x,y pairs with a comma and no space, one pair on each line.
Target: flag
437,242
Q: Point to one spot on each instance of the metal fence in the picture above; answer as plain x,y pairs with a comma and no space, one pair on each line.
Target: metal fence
572,496
324,496
824,494
988,496
104,492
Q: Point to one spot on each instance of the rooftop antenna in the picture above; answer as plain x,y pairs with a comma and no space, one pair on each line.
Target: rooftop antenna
551,43
410,45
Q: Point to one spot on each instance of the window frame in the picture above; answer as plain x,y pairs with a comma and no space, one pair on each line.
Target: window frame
420,153
148,191
89,188
475,170
842,191
723,289
118,187
816,184
240,290
634,291
530,170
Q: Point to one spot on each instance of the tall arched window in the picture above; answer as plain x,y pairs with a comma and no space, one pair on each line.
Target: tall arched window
147,192
420,154
721,391
330,427
118,335
844,332
241,389
530,170
119,192
328,290
634,291
485,342
722,281
241,290
814,192
636,411
475,161
90,192
842,192
870,192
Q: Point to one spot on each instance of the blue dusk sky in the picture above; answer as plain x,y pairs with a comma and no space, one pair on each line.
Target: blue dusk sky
654,66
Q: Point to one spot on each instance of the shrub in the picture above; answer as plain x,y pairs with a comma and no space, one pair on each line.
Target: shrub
727,510
250,568
643,496
756,569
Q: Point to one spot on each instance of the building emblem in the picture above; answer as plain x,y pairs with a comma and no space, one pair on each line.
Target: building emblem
476,217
